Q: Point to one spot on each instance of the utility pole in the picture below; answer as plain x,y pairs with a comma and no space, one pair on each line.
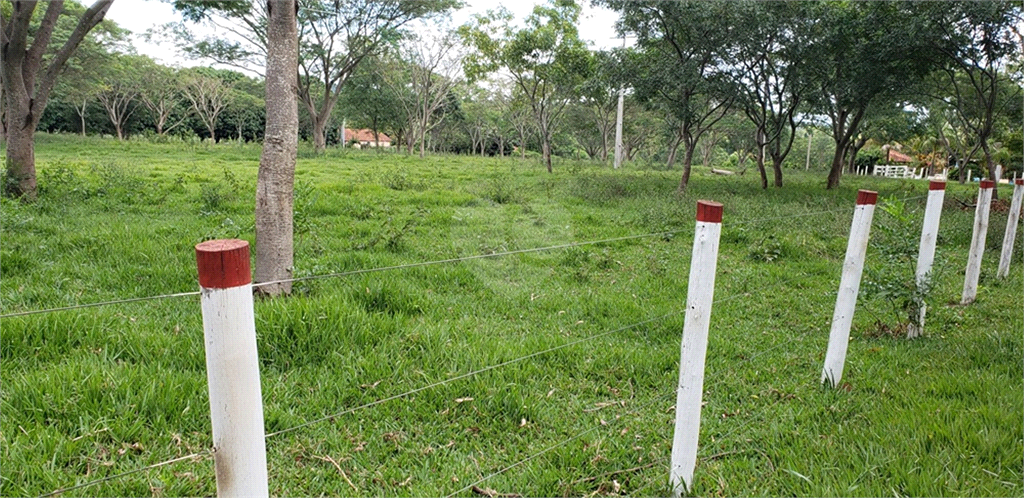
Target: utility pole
810,138
618,122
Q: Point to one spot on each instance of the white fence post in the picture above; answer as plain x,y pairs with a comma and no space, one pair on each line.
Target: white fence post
699,295
232,368
1011,229
849,286
977,242
926,252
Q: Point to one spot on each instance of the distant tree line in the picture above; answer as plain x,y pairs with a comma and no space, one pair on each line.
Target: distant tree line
740,84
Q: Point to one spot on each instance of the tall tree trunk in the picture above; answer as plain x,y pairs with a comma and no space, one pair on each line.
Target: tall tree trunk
21,157
689,145
81,115
836,172
760,159
546,149
319,135
777,168
276,178
673,147
27,82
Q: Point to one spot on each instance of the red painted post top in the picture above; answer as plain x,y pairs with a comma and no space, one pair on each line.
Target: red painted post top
987,184
936,185
1019,181
866,197
223,263
709,211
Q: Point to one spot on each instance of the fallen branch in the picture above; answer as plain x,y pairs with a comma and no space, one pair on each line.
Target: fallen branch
335,463
490,493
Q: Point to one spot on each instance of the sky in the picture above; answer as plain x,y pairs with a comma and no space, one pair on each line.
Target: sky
596,24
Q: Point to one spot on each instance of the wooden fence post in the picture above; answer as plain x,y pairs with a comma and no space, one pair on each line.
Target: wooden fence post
1011,229
699,296
926,254
977,242
232,368
849,286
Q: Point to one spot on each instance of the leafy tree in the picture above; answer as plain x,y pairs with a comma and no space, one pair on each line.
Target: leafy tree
32,55
679,67
119,90
80,81
208,96
369,100
976,43
334,38
546,59
428,69
161,92
768,69
863,54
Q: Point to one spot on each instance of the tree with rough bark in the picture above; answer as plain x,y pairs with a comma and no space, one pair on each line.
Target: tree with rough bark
546,59
31,59
275,182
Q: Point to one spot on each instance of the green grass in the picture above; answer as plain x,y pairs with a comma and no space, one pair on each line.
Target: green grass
99,391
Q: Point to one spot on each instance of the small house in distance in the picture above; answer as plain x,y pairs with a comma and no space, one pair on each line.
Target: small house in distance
365,138
895,156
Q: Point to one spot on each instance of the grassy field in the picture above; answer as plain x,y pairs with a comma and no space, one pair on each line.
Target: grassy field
95,392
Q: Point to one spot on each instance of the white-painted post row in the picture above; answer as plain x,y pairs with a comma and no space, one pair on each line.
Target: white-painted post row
699,296
1011,229
849,286
970,176
977,242
999,173
232,368
926,252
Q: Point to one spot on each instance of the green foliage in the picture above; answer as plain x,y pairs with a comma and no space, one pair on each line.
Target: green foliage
891,279
937,416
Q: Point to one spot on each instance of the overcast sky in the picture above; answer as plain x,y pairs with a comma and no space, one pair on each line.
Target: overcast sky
596,24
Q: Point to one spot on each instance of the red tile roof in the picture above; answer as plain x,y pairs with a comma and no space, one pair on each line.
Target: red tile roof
364,135
896,156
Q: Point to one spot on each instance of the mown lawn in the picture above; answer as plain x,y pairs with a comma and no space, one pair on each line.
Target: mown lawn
95,392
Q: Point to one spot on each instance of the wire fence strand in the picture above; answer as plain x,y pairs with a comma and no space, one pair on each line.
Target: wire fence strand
101,480
341,413
425,263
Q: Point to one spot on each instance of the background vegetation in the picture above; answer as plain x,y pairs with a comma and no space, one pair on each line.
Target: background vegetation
98,391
